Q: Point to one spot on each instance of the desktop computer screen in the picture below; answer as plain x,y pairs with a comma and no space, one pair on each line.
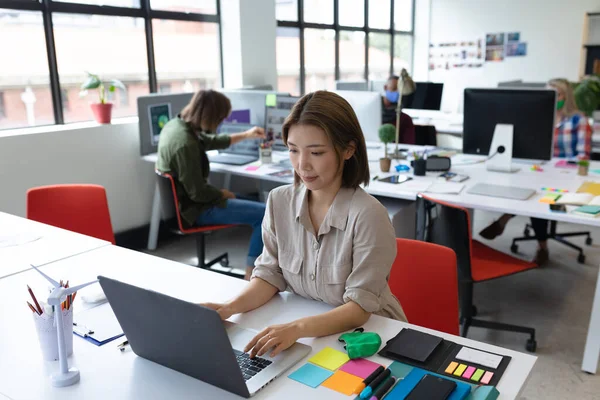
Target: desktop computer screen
278,107
427,96
531,112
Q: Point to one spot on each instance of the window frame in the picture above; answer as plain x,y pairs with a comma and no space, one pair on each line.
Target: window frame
302,25
144,11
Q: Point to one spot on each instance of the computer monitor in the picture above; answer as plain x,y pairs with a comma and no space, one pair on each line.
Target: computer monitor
530,111
278,107
427,96
352,85
367,107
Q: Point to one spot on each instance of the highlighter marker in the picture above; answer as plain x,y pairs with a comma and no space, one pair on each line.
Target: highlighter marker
383,389
368,379
368,391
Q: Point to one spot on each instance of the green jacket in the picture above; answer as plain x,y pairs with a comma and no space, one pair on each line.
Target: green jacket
182,153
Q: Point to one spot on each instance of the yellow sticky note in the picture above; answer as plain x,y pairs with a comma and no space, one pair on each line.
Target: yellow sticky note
459,371
342,382
329,358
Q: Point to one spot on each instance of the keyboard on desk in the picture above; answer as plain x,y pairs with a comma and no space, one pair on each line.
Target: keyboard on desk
232,159
250,366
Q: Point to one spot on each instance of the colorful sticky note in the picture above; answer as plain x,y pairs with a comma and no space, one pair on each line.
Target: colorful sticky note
310,375
477,375
252,167
451,367
271,100
329,358
359,367
399,370
487,377
343,382
469,372
459,371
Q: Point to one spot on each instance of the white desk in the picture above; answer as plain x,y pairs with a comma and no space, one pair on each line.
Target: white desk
40,244
563,178
108,373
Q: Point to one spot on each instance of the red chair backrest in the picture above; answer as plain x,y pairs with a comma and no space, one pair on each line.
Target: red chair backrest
424,279
79,208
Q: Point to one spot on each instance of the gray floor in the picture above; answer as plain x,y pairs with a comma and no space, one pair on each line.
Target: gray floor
556,300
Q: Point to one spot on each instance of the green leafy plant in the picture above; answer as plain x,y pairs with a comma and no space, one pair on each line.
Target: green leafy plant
387,134
587,94
93,81
583,163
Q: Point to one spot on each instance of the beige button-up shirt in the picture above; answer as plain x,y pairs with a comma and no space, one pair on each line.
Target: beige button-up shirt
349,260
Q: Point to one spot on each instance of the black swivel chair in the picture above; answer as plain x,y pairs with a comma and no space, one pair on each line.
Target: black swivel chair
170,206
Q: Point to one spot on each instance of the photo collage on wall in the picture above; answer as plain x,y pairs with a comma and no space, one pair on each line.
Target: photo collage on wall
451,55
474,53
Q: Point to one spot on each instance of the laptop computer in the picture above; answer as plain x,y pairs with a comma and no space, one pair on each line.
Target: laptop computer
194,340
241,153
505,192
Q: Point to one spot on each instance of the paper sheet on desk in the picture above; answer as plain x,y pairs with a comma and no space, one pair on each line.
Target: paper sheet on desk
8,240
101,320
415,185
445,188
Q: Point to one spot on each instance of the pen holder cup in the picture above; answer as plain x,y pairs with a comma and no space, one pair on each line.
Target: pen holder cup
48,336
420,167
265,155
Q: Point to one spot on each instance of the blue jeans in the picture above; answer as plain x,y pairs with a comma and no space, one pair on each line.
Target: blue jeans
238,211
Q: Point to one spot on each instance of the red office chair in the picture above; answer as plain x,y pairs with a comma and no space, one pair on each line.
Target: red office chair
424,279
78,208
449,225
170,207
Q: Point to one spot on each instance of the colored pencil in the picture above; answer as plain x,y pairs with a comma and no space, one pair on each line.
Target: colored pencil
37,305
32,309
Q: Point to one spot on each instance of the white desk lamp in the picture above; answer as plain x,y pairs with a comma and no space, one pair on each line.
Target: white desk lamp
67,376
406,86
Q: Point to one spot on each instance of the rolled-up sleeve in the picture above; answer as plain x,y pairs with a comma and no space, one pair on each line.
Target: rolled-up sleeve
266,266
374,251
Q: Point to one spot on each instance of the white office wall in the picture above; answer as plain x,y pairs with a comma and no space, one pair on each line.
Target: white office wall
421,40
553,30
106,155
249,29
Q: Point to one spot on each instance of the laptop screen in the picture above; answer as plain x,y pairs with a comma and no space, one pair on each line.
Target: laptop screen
245,147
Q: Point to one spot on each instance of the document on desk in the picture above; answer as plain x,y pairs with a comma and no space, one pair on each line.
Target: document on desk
97,325
445,188
8,240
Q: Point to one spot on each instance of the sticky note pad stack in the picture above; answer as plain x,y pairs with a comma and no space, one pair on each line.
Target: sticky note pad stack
588,211
550,198
310,375
329,358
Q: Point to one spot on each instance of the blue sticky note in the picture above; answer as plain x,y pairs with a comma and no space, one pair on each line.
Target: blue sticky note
310,375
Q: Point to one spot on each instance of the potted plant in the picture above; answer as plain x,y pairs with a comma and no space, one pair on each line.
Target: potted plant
583,167
103,109
387,134
587,94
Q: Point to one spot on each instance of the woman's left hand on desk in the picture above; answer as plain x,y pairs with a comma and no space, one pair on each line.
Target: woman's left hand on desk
276,337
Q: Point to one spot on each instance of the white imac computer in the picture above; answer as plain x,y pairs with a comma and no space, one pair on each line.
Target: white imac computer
367,106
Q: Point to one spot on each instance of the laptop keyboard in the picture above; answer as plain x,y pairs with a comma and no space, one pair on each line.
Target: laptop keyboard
250,366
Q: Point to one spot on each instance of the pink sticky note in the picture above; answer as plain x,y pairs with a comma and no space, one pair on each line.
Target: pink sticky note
469,372
487,377
252,167
359,367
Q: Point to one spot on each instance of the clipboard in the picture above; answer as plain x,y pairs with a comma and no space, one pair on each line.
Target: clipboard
97,325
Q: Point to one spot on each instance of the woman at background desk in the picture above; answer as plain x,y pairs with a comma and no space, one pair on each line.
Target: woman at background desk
572,139
182,152
325,238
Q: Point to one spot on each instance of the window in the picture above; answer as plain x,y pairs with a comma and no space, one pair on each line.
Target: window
24,76
119,52
2,110
350,46
288,60
187,51
185,6
352,56
110,38
164,88
319,59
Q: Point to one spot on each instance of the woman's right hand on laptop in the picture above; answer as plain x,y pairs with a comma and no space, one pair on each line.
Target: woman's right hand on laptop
223,309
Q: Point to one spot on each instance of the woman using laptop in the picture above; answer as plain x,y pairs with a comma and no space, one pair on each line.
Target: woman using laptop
325,238
572,140
182,152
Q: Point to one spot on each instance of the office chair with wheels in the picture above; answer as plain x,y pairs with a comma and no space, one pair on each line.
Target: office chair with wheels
79,208
424,279
170,207
559,237
449,225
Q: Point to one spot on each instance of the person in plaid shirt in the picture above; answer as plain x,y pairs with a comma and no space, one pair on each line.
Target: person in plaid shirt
572,140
